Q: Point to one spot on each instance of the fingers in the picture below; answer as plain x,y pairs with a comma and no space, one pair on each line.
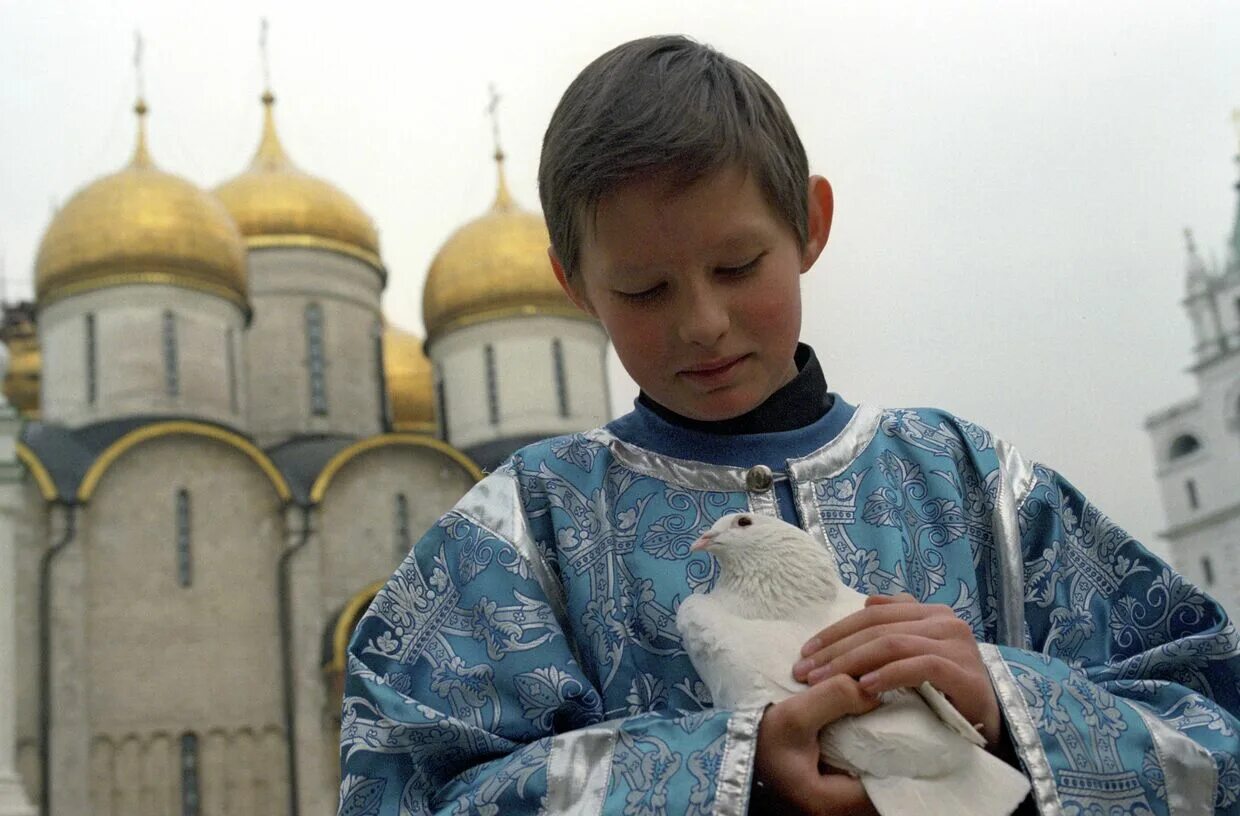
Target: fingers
823,662
839,794
878,600
804,715
873,615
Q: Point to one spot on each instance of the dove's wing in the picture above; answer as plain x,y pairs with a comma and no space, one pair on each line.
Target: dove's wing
947,712
743,662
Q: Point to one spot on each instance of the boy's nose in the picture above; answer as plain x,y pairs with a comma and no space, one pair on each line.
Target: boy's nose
704,319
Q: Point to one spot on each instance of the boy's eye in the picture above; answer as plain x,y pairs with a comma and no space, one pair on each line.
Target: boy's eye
645,294
743,269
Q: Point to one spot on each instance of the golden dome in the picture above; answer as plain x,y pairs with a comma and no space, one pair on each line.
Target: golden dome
276,204
494,266
411,394
21,381
141,225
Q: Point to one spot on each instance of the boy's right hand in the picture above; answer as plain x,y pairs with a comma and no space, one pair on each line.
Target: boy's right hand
786,763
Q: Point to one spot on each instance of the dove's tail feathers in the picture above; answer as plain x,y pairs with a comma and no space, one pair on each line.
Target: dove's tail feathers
983,786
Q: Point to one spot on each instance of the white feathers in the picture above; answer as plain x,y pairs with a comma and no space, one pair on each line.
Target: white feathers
778,588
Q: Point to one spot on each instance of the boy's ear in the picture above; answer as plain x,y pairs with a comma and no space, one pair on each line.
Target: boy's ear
821,211
577,297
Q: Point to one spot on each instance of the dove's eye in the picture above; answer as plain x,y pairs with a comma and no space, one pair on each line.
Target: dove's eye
744,521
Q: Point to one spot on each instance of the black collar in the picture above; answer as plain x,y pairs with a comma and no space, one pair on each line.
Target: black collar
801,402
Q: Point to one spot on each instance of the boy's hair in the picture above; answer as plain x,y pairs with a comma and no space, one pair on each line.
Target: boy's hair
665,104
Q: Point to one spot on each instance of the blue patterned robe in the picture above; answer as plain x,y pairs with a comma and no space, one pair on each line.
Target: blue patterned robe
524,658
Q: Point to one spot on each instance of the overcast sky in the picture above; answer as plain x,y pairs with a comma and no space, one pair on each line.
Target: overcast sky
1011,181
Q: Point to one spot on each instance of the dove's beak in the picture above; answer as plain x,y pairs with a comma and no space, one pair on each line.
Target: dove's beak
705,540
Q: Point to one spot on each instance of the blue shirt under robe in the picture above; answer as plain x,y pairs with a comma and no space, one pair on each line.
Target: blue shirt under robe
524,658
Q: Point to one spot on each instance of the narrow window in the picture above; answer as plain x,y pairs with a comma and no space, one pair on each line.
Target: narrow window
385,405
441,404
561,383
1183,445
315,360
492,385
184,565
234,401
172,377
1191,487
1208,570
190,799
92,356
404,542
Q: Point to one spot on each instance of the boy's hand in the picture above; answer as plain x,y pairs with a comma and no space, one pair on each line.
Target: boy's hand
897,642
786,762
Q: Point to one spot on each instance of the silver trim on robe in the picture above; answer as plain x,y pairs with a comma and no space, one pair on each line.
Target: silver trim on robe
764,502
494,504
1015,482
1189,772
1024,732
736,765
829,461
579,771
680,472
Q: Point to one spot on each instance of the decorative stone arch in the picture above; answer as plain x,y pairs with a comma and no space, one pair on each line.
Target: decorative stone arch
156,430
340,628
357,449
42,476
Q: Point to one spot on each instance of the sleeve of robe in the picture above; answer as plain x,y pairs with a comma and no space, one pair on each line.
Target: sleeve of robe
464,696
1126,695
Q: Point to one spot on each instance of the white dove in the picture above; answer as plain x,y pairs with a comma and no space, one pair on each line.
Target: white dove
777,588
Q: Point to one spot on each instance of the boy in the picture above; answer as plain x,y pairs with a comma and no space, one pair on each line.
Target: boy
524,658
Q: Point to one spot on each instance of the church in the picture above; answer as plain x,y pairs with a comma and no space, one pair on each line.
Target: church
1197,441
228,450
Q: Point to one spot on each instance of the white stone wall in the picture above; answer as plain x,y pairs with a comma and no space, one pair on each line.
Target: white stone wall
165,659
357,518
31,535
525,378
129,353
283,281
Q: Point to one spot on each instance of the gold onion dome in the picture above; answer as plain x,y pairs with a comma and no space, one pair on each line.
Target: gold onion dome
411,393
494,266
21,381
141,225
277,204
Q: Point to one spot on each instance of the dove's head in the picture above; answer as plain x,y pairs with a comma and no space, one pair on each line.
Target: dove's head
755,550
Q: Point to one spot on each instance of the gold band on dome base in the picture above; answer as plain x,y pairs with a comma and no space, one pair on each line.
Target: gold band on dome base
566,310
180,279
318,242
423,428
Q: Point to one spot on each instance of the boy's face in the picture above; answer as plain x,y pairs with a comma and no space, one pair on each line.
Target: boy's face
699,288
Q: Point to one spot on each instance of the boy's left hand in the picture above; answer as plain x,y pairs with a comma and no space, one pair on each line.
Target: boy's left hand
897,642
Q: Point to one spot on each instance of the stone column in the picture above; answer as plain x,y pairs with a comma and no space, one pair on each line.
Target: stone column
13,801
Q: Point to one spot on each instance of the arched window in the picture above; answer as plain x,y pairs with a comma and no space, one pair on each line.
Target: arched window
561,381
1190,487
191,800
441,404
185,573
315,359
172,373
230,352
492,384
385,405
404,540
92,361
1183,445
